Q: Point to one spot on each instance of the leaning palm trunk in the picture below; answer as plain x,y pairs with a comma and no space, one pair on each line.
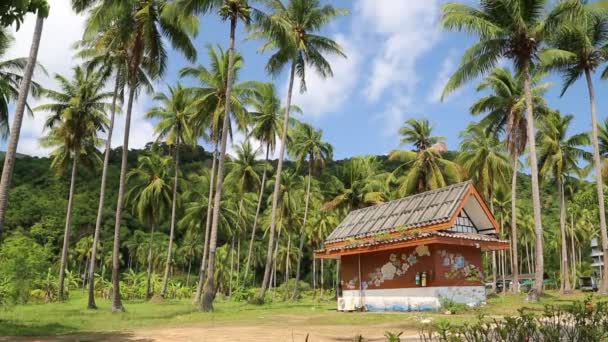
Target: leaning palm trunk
163,290
257,214
13,141
515,268
209,295
565,286
68,224
538,227
102,196
598,181
201,274
302,233
150,259
277,187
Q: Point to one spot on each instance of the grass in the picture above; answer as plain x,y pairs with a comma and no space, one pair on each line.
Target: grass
72,317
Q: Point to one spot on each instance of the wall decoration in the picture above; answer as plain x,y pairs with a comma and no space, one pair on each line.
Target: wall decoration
459,267
396,266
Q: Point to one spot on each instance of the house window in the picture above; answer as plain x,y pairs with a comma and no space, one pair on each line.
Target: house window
463,224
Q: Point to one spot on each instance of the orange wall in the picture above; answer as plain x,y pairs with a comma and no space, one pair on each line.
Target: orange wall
447,265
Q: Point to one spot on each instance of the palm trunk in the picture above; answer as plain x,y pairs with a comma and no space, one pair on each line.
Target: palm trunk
503,271
102,197
277,186
528,258
538,227
68,224
562,224
514,252
149,270
598,181
209,295
303,232
163,290
573,253
201,274
322,281
188,276
287,267
257,214
231,267
238,261
13,141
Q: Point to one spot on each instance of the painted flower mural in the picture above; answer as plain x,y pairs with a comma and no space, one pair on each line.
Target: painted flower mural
396,266
458,267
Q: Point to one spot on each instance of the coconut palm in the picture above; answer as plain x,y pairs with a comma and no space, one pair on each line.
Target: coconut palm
174,115
41,8
504,115
149,197
212,98
578,49
144,27
307,144
514,30
291,31
265,116
559,156
426,168
77,116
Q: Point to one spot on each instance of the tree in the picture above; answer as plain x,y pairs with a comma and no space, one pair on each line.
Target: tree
212,98
578,49
559,157
77,115
143,25
292,32
41,7
307,144
514,30
174,115
426,168
504,115
150,196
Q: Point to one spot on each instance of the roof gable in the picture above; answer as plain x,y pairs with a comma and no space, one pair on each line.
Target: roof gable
437,207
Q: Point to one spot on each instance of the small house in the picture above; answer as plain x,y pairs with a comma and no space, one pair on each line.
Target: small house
414,253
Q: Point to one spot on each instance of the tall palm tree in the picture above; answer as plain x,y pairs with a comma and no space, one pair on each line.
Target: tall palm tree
515,30
174,115
41,8
143,26
292,32
559,157
307,144
11,76
211,98
77,115
426,168
149,197
265,116
504,115
578,49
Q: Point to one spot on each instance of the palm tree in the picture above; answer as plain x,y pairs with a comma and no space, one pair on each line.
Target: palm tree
559,156
77,115
265,115
504,114
11,75
174,115
514,30
150,196
307,144
292,31
426,168
142,26
212,98
42,11
579,49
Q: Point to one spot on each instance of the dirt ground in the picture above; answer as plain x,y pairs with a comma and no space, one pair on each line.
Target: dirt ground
222,332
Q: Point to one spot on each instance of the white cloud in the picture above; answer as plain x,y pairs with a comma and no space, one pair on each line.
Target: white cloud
447,68
239,137
328,95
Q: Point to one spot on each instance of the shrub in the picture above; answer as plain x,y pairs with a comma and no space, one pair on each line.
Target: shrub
452,306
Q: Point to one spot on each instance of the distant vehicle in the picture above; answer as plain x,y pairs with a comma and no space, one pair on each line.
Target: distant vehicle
588,284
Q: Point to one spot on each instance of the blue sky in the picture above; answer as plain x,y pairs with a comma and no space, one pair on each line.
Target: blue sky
398,62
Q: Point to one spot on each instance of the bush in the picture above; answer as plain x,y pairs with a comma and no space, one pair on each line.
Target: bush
23,263
452,306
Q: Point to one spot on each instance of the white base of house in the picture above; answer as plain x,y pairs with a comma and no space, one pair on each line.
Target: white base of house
410,299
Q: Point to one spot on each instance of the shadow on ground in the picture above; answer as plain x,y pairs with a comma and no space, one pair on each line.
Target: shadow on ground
59,333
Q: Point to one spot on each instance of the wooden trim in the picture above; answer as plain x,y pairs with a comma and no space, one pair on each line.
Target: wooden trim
482,245
485,208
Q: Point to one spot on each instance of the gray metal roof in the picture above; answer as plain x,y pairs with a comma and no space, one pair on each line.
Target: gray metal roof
420,210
